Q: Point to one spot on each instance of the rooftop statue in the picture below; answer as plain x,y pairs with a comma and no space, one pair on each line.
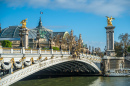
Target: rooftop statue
109,21
23,22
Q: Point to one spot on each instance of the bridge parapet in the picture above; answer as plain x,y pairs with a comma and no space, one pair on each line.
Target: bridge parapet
30,51
93,58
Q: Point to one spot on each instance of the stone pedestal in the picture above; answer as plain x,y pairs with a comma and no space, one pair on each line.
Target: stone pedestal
110,40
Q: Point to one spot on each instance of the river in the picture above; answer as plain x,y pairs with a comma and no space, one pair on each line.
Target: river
76,81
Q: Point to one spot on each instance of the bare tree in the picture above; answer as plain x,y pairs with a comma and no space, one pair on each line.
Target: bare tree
124,39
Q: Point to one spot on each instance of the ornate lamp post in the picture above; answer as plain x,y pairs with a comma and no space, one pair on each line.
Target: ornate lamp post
0,27
60,41
21,36
68,44
54,38
92,50
50,40
77,44
86,48
105,50
89,49
124,51
95,51
77,49
38,37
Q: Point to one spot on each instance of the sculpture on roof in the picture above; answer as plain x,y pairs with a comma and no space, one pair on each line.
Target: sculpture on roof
23,22
109,21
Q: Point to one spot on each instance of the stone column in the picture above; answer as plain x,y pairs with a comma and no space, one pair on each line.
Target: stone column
25,30
110,40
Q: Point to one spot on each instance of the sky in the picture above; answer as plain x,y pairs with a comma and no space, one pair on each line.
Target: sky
86,17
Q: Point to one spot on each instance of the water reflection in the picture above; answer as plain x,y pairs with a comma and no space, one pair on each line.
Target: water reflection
97,82
111,81
77,81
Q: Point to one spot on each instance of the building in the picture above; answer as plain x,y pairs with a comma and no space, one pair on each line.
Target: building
12,34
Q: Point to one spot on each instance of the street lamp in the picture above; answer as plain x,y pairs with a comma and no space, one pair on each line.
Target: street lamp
86,49
21,36
0,27
50,39
54,38
77,44
68,44
95,51
78,54
105,50
92,50
38,37
125,52
89,49
60,41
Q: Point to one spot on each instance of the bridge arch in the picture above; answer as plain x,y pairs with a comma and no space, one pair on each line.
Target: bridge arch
12,78
70,67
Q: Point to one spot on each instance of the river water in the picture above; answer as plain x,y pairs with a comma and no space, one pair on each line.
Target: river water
76,81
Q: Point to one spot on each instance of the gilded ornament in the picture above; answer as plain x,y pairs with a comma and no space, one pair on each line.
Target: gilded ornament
109,21
23,22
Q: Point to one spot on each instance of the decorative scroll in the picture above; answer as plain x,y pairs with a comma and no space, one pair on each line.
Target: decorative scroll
35,61
6,67
18,64
46,58
27,63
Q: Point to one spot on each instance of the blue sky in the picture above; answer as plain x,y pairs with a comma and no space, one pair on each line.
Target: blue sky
83,16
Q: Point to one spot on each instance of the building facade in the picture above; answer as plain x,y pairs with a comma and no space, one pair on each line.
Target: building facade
11,33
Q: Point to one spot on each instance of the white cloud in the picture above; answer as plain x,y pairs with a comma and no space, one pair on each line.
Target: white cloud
99,7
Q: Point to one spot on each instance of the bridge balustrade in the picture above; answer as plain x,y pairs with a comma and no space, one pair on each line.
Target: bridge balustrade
6,50
91,57
16,51
43,51
58,52
30,51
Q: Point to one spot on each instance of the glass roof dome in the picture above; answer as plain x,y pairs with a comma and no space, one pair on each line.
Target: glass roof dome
13,32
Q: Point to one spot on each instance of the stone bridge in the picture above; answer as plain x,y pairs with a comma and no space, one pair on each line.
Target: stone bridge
16,64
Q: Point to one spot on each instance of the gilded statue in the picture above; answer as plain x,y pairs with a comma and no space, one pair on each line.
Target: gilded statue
23,22
109,21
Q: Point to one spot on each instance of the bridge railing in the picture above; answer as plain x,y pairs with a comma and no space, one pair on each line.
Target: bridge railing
93,58
30,51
